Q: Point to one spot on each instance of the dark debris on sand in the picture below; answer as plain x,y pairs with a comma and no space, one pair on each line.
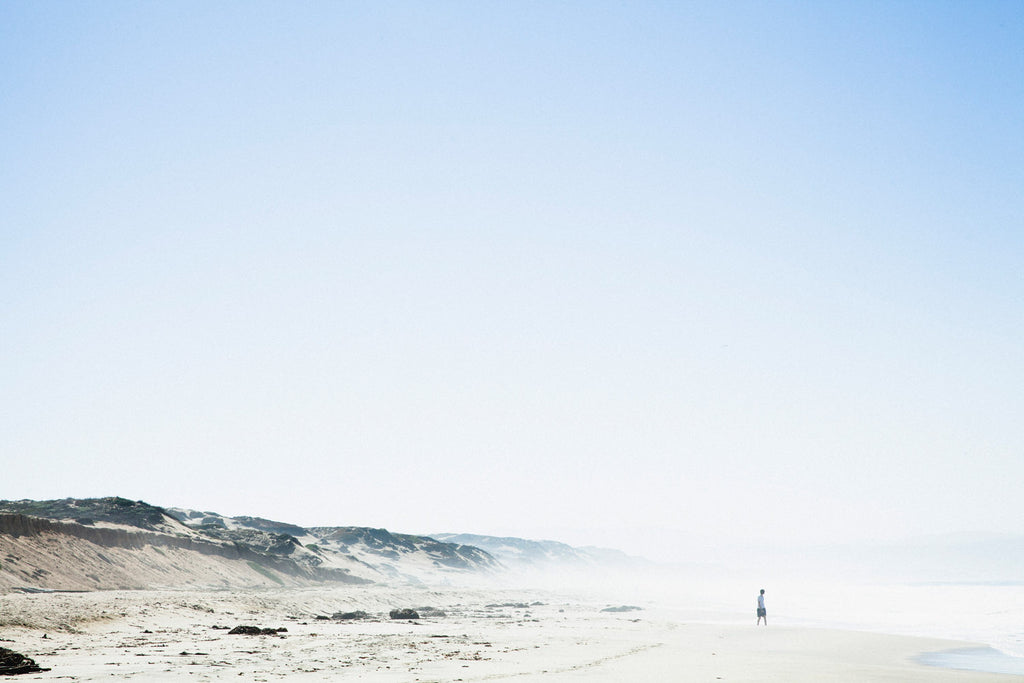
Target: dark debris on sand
12,663
255,631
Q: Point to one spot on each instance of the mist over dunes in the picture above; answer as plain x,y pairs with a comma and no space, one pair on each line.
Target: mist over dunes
116,543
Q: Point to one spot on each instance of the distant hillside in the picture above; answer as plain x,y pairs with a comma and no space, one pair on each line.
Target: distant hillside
104,543
526,554
382,554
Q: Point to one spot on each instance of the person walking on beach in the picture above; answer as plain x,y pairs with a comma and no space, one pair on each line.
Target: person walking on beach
762,613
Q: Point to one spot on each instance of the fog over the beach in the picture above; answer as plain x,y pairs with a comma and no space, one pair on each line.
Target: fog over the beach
677,279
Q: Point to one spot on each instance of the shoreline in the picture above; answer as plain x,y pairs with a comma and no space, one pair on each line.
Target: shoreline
470,634
979,658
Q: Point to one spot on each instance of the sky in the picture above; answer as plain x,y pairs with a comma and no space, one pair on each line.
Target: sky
653,276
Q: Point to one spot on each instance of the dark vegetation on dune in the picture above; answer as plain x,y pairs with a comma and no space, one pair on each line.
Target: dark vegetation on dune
91,510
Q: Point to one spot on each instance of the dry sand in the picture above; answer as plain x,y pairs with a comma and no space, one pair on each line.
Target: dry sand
484,635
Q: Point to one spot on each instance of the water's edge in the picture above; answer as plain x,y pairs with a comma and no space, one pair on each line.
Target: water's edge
984,659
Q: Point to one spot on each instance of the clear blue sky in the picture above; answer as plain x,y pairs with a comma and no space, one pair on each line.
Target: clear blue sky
573,270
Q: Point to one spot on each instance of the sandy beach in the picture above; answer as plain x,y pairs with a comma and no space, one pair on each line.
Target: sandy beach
463,634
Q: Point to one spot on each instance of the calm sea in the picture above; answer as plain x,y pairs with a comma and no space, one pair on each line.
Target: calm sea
989,614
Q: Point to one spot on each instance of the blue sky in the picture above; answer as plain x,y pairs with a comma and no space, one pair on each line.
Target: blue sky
571,270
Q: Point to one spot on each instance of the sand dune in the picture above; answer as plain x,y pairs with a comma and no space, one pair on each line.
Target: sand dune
115,543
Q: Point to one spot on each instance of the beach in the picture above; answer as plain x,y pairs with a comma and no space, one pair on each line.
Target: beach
462,634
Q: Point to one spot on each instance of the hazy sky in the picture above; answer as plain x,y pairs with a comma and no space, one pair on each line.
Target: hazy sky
564,270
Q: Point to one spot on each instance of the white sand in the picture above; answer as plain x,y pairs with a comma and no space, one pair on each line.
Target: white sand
170,636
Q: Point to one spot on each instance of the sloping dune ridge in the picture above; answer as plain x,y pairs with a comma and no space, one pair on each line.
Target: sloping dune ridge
115,543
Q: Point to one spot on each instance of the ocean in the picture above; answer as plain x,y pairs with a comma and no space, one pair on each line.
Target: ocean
990,614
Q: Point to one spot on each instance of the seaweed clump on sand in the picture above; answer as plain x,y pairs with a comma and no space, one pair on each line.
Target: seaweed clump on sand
12,662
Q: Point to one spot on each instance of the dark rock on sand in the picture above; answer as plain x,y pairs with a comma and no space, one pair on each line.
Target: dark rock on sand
12,663
516,605
622,608
358,614
404,614
255,631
